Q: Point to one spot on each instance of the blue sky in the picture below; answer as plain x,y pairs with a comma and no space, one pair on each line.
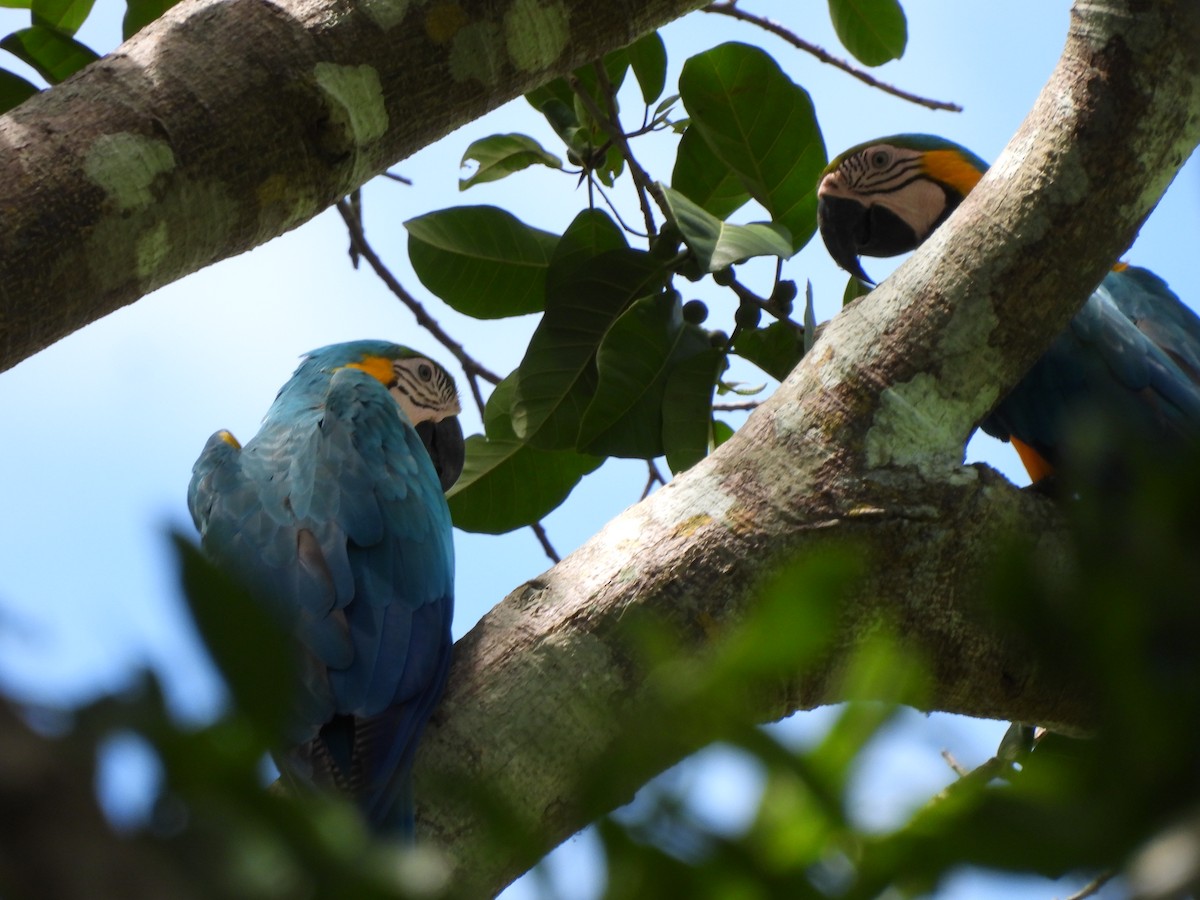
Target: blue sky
104,426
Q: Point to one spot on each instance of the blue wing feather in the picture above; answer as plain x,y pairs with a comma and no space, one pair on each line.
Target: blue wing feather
335,512
1132,353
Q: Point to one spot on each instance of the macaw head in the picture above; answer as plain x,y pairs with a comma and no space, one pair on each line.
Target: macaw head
886,196
421,387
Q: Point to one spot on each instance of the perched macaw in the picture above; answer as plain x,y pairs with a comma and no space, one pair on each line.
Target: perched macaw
334,514
1132,352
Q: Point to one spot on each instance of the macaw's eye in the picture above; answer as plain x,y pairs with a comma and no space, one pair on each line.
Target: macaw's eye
424,372
880,159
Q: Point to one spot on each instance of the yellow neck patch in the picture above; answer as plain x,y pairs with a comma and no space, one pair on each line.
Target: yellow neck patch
949,167
378,367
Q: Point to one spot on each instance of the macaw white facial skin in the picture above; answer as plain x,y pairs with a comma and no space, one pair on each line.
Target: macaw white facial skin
424,390
892,177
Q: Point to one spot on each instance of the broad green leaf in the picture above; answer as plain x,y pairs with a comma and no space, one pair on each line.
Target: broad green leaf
64,16
687,408
648,59
633,361
590,233
483,261
55,56
15,4
762,126
705,179
721,432
497,412
140,13
14,90
501,155
874,31
715,243
854,289
775,349
247,642
558,374
507,484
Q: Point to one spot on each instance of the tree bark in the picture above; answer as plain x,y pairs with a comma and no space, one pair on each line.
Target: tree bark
862,443
165,156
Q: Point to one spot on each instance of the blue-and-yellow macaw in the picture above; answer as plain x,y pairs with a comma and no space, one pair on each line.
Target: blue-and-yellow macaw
334,514
1132,352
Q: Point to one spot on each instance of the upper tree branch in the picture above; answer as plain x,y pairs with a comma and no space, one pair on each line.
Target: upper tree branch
166,156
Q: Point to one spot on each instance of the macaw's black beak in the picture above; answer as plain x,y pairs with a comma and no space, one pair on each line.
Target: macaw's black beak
444,441
851,230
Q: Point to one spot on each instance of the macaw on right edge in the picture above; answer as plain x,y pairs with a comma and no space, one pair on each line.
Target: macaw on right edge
1132,352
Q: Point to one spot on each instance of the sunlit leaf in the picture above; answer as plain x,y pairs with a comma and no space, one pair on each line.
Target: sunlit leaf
762,126
14,90
855,288
64,16
874,31
140,13
55,56
716,244
481,260
502,154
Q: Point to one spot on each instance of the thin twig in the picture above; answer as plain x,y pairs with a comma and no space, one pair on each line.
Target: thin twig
544,539
641,178
959,769
654,477
744,406
731,10
1092,888
470,365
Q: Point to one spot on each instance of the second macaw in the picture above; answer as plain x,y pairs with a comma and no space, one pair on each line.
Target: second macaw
334,516
1131,353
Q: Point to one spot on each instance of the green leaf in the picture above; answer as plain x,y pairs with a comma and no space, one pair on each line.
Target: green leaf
501,155
15,4
633,362
140,13
762,127
558,374
64,16
715,243
810,318
497,412
55,56
721,432
483,261
590,233
854,289
775,349
648,59
507,484
874,31
687,408
14,90
704,179
247,642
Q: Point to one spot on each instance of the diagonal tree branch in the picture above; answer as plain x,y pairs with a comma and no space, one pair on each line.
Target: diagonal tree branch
862,442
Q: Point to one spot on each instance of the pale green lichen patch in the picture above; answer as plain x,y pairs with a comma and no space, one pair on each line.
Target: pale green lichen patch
535,33
918,425
477,53
355,99
125,165
152,249
387,14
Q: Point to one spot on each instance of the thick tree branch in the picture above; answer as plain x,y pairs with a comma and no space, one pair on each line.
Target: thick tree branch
166,156
862,442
